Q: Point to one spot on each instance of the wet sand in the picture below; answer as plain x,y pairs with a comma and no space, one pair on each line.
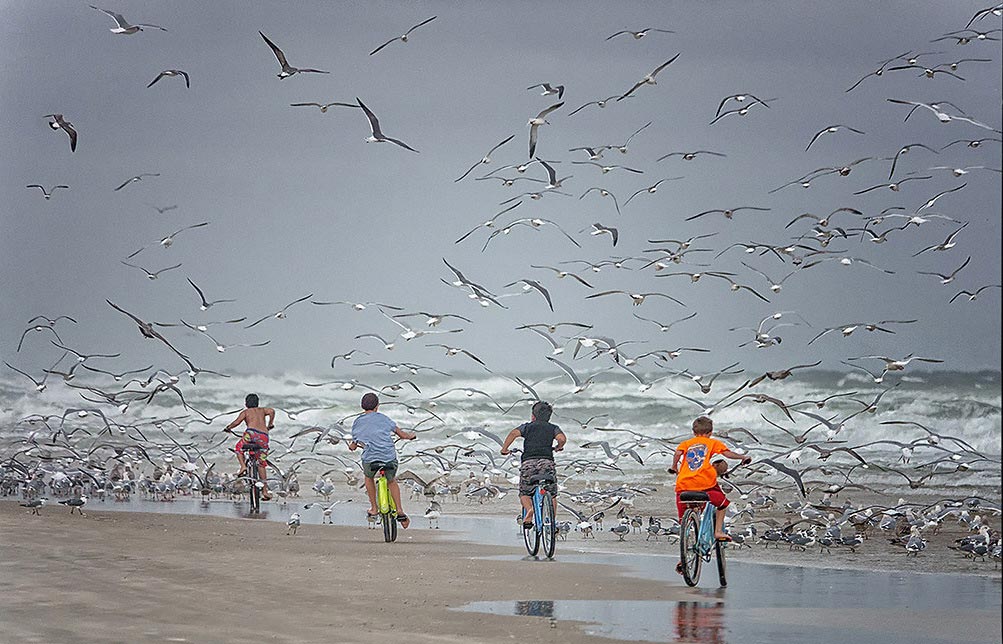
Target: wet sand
131,576
137,577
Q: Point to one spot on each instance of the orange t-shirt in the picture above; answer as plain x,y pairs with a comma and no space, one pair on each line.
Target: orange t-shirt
695,471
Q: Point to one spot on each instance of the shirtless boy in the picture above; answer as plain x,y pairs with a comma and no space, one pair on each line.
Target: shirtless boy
258,421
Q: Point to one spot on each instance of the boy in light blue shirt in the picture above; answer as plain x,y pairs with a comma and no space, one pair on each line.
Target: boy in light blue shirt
375,432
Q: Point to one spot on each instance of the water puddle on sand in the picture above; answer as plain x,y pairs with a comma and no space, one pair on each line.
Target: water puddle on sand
648,621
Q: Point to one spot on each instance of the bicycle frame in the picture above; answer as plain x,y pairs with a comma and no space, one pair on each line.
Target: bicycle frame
384,501
706,539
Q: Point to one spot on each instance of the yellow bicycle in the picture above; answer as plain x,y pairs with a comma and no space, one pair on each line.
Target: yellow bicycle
385,503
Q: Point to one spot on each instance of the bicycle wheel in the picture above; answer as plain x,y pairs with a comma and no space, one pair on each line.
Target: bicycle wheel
532,538
719,547
689,546
389,526
548,531
255,491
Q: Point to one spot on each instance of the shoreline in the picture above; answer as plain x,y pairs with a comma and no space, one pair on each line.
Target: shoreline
875,554
133,576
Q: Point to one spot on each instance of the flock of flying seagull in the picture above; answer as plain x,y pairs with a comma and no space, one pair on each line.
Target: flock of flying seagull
61,453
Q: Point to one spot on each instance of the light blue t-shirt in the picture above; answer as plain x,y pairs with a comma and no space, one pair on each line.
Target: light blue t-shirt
376,431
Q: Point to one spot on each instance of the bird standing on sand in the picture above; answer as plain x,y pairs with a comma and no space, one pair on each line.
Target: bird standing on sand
75,504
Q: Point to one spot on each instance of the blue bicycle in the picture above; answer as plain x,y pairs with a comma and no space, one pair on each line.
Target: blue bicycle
544,528
696,538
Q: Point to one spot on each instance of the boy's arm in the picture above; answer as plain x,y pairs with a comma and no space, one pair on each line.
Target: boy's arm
269,418
745,458
408,436
236,421
561,440
675,460
512,435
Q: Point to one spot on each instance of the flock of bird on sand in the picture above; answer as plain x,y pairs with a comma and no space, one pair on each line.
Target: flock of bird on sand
96,449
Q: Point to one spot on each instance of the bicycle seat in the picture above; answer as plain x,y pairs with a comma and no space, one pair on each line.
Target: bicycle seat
541,478
378,465
694,497
250,447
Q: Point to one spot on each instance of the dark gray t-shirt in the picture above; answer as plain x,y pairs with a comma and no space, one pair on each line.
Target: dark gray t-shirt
538,440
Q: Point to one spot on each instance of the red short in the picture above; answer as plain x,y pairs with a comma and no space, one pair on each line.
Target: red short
717,498
260,439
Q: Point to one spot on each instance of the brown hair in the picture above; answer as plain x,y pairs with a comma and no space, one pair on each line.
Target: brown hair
370,401
703,426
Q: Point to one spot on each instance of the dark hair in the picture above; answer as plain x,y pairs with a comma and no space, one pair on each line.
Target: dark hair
251,401
370,401
542,411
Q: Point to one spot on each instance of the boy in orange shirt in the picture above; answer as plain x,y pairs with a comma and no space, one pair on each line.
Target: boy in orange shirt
695,472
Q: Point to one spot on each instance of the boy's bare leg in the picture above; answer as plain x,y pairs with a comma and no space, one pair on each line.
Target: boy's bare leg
243,464
395,494
719,532
263,476
527,507
371,493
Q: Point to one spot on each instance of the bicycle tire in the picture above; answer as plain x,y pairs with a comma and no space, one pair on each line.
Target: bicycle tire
389,526
719,548
548,531
532,538
255,491
689,547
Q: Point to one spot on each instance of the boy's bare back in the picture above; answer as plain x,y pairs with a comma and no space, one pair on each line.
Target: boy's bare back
259,418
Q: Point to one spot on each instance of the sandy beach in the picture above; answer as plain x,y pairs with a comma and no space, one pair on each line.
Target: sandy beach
113,576
135,577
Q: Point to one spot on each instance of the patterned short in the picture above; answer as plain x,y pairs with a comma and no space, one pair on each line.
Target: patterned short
533,467
389,470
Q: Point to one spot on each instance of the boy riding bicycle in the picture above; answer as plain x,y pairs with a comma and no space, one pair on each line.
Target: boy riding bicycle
374,432
540,440
259,421
694,464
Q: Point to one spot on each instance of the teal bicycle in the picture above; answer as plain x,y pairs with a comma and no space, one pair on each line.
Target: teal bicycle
544,529
696,539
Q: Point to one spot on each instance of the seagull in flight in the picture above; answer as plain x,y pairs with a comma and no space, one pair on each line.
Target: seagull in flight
639,34
206,305
403,37
548,90
637,298
281,313
739,98
59,123
485,159
535,123
138,177
973,296
689,156
323,107
830,129
155,274
599,229
528,285
377,136
601,103
147,330
122,26
649,79
168,241
287,69
46,193
171,72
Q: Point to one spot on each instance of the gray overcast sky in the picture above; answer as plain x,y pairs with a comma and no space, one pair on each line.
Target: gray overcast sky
299,203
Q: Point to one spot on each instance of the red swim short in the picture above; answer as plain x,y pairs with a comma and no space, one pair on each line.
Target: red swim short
717,498
258,439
